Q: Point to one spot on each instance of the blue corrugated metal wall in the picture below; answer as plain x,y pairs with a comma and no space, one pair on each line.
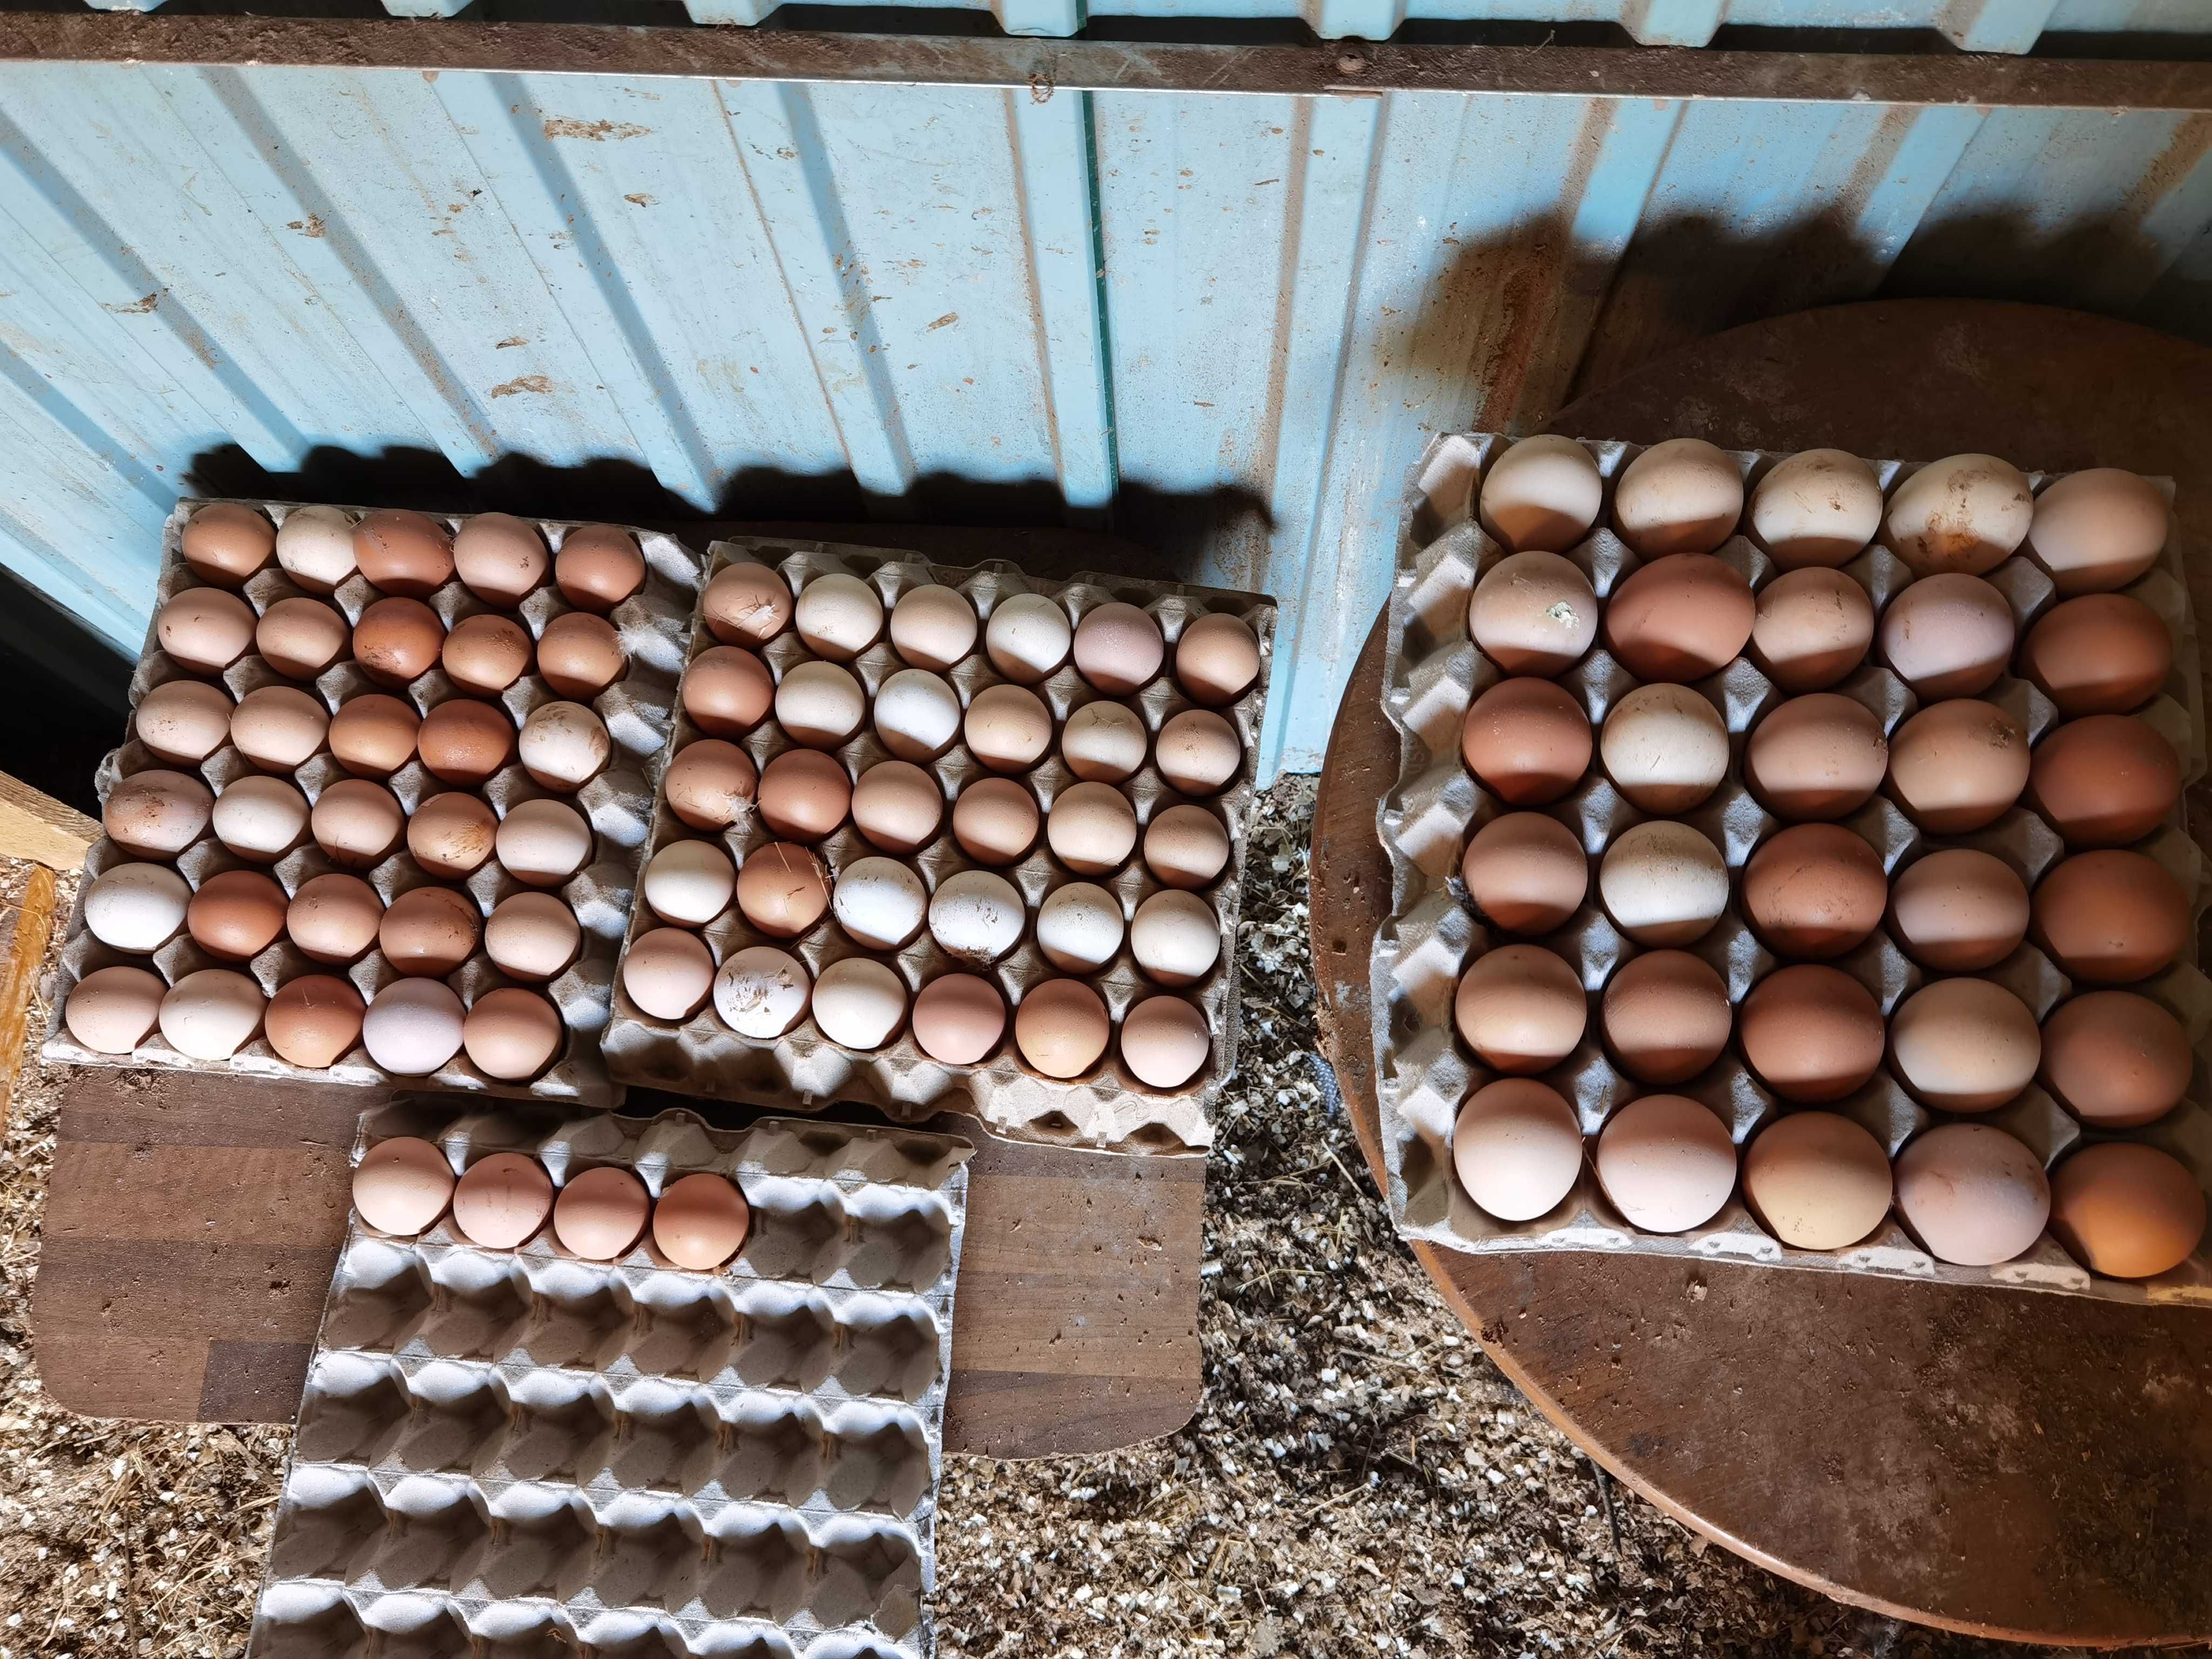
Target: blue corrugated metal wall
1264,302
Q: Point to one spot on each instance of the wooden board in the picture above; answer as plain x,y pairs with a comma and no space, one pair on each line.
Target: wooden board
192,1226
2009,1464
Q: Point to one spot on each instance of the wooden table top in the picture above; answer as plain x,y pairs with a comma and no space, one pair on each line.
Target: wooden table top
2006,1463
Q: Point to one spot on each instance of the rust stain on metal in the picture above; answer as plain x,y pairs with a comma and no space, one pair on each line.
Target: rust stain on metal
525,383
312,226
946,321
511,340
136,308
597,132
639,197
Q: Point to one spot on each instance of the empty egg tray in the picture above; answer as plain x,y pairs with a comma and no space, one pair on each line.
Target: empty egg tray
1424,1071
803,1069
653,624
518,1453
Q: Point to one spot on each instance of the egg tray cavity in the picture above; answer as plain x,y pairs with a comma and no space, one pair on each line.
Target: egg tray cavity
1433,672
653,625
519,1452
804,1070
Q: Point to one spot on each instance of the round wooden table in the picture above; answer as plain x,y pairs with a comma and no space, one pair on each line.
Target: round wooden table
2005,1463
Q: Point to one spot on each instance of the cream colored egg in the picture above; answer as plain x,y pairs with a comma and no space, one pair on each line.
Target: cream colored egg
2099,530
260,818
1175,937
541,843
819,704
563,746
1821,506
1684,495
933,627
838,616
1028,638
977,916
1541,495
690,882
1079,927
880,902
858,1003
917,715
315,546
1664,747
212,1014
137,907
1663,884
1103,742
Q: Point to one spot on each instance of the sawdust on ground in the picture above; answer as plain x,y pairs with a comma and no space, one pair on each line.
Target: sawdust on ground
1359,1478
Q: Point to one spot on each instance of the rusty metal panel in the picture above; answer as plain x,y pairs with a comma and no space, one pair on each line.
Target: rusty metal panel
1226,321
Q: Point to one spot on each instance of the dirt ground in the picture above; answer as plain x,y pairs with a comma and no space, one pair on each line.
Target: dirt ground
1358,1480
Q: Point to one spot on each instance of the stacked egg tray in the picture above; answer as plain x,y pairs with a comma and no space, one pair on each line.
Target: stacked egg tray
1425,1073
637,709
1109,1108
518,1452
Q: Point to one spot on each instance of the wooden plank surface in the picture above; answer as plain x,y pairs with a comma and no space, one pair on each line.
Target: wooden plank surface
2010,1464
27,922
33,825
192,1226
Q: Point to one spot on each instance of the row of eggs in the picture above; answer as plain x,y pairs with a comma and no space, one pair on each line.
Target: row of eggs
404,1186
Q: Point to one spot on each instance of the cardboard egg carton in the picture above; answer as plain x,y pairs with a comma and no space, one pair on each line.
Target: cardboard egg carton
1425,1073
804,1070
653,624
519,1452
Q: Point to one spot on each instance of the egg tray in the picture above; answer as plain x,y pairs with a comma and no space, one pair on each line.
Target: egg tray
1109,1108
653,625
522,1453
1424,1072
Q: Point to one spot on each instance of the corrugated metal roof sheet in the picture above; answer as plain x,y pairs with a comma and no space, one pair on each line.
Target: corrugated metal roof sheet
1256,306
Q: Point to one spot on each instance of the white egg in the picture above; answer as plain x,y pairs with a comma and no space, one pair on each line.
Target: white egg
880,902
212,1014
858,1003
1079,927
977,916
260,820
315,545
690,882
1541,495
761,992
1175,937
819,705
137,907
917,715
413,1026
838,616
1028,637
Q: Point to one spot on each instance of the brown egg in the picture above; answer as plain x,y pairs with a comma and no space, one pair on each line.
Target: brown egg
1166,1041
2099,530
1958,910
541,843
1679,618
959,1018
1543,492
1217,659
2111,917
2127,1211
2105,779
499,557
933,627
727,690
1958,766
1811,627
1964,512
111,1011
278,728
184,721
373,735
1198,752
805,794
580,655
1517,1149
1818,509
1817,1181
668,973
397,641
1965,1045
484,654
502,1200
236,915
452,835
838,616
783,890
401,1185
513,1034
746,603
1185,847
313,1021
1949,635
406,553
260,818
1525,873
1008,727
710,783
1521,1009
1061,1028
1091,828
1814,891
334,917
1533,613
1665,1163
429,932
563,746
357,822
1527,740
1812,1033
157,814
464,741
225,542
701,1221
1817,757
2102,653
820,704
300,638
598,567
1663,882
1664,747
204,629
1667,1016
2117,1061
995,821
212,1014
1118,648
899,807
1972,1194
601,1214
1683,495
533,936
